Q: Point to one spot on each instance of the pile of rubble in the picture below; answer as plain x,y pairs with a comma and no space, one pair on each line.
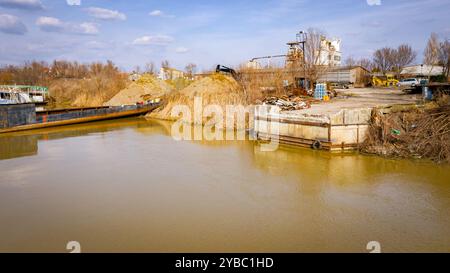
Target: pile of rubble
288,103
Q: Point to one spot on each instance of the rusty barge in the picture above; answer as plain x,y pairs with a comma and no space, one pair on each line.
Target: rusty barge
21,117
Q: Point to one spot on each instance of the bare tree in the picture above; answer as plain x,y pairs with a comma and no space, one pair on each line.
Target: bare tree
363,62
165,64
150,68
431,53
350,61
313,46
191,69
383,59
366,63
444,57
403,56
137,69
314,65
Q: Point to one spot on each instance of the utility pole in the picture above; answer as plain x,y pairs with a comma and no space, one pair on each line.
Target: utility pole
302,37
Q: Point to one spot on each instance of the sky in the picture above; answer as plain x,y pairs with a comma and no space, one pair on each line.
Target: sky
206,32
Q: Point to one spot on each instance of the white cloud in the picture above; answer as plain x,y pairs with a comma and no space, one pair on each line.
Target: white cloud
106,14
73,2
374,2
22,4
159,13
156,13
87,28
12,25
181,50
51,24
153,40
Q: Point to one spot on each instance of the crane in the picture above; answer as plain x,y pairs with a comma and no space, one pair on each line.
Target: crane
267,57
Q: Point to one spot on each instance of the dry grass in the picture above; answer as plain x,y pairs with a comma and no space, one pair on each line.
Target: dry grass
261,83
85,92
71,84
423,133
179,83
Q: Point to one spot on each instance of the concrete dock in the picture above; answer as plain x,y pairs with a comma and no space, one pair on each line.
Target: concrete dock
339,125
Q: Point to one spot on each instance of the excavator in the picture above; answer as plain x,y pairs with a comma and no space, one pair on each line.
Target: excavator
384,81
226,70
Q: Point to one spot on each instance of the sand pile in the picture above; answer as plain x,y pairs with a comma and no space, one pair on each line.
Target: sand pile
213,86
217,89
146,88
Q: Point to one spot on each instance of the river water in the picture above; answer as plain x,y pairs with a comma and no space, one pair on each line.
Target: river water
128,186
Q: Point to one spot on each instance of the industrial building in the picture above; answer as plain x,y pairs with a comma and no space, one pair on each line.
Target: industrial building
166,73
422,70
330,52
357,76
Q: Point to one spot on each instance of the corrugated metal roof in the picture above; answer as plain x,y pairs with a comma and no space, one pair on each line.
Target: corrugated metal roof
341,68
425,70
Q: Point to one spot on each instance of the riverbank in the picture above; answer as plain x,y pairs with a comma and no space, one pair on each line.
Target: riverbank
411,132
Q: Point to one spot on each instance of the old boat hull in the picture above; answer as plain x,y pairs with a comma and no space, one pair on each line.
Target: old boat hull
46,119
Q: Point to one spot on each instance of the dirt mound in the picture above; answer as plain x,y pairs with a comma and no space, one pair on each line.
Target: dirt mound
214,85
146,88
217,89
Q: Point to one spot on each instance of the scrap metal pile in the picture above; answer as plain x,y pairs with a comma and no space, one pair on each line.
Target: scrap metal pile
288,103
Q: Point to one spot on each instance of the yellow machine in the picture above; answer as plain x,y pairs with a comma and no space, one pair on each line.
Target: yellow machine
384,81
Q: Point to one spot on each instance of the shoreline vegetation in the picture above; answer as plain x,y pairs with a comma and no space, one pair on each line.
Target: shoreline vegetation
412,132
71,84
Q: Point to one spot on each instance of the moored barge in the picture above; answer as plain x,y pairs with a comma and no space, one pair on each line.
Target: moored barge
21,117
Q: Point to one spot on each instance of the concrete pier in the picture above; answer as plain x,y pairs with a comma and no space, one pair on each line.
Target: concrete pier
342,131
340,125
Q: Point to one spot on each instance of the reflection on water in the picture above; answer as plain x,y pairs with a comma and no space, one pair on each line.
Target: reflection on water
17,146
126,185
25,143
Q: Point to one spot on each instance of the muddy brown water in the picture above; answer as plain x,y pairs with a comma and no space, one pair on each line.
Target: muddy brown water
128,186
